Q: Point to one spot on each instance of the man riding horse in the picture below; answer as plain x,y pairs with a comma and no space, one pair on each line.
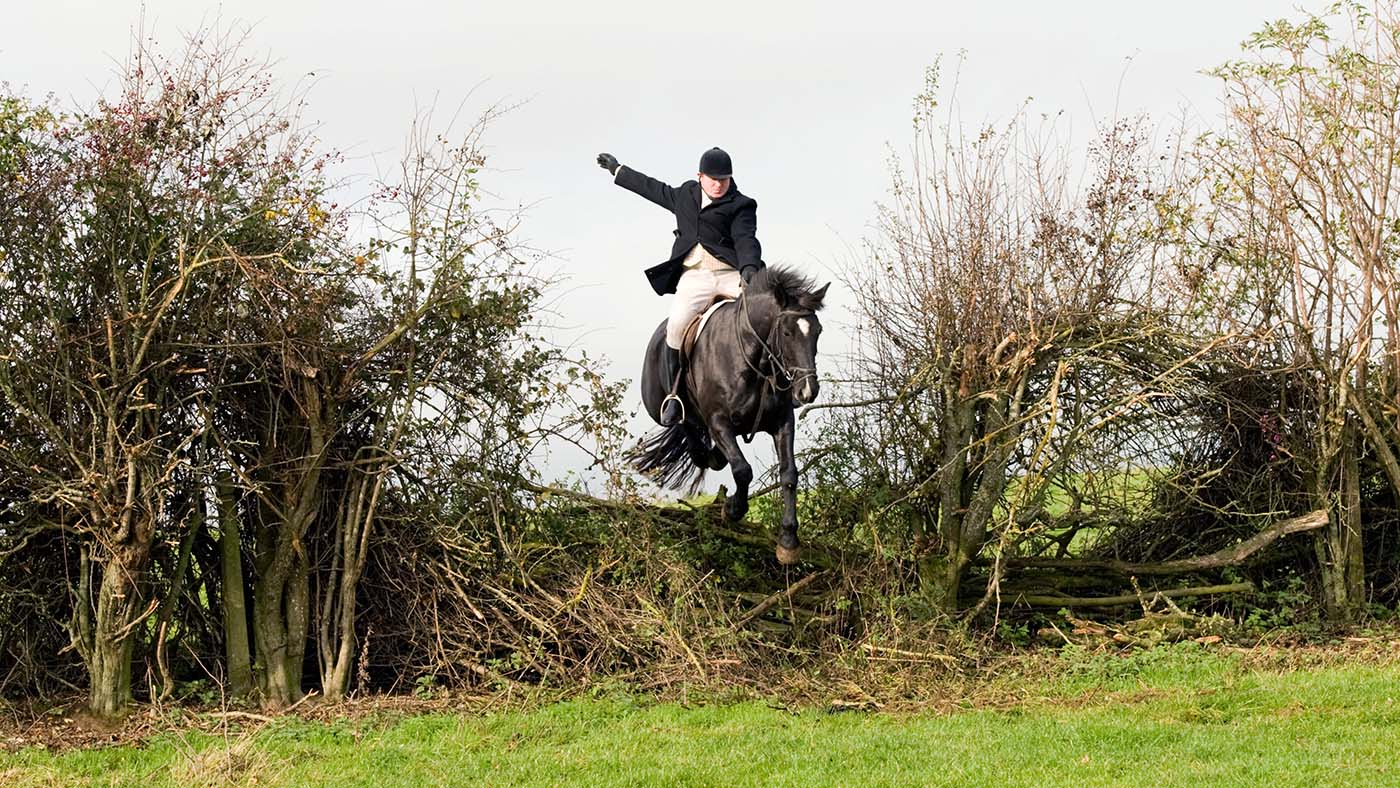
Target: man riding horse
715,253
756,361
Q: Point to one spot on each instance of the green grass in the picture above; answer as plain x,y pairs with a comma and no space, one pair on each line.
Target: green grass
1171,717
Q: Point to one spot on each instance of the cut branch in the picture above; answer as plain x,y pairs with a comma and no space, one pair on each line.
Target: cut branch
773,599
1230,556
1129,599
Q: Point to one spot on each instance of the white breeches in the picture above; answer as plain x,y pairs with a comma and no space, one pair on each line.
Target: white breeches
696,290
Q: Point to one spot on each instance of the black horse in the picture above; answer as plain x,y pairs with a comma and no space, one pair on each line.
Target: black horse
755,360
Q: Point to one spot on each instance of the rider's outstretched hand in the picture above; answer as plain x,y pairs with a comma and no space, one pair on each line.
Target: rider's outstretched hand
608,162
748,272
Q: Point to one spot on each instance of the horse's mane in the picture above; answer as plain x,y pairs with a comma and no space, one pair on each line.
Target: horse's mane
789,286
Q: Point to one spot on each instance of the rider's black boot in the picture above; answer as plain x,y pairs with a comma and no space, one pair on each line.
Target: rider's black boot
671,409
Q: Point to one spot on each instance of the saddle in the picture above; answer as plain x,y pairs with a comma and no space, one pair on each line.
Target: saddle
697,324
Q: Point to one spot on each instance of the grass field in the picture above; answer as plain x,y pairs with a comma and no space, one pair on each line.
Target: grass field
1170,717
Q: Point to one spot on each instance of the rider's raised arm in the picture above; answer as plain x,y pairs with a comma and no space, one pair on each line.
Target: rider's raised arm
634,181
650,188
745,232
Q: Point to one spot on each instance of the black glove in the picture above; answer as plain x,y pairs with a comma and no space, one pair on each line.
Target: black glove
747,272
608,162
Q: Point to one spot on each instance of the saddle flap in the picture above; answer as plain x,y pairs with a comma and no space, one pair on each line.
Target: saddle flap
697,324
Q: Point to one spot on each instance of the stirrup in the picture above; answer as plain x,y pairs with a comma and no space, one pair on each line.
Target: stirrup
662,410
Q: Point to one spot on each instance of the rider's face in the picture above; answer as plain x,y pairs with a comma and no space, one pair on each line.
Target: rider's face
714,187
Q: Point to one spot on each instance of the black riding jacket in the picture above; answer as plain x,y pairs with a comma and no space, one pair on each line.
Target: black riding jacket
726,227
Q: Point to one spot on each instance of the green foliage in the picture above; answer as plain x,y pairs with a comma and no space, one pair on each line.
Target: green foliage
1015,633
425,686
1286,604
203,692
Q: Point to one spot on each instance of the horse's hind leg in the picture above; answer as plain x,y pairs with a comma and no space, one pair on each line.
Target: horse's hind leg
738,504
789,550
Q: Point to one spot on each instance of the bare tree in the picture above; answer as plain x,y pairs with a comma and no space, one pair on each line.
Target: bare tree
1006,318
1304,194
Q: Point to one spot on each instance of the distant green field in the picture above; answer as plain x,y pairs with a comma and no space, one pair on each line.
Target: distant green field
1125,488
1169,718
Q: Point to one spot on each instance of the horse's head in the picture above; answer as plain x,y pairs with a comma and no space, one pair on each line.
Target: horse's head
793,327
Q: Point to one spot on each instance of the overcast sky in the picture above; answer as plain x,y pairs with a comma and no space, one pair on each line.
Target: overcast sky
804,95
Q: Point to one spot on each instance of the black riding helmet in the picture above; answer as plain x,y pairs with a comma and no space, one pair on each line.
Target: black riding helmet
716,164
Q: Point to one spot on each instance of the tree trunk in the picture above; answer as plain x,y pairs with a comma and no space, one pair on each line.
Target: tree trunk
104,633
176,590
280,613
109,673
240,669
941,572
1339,544
337,626
281,593
279,629
109,643
940,578
979,437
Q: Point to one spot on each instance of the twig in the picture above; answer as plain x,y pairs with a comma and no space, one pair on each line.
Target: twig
243,715
773,599
126,630
909,656
304,698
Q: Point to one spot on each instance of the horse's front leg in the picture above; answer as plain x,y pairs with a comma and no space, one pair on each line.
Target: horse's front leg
789,549
738,504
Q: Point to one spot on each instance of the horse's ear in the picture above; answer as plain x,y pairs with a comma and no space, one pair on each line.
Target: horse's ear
813,301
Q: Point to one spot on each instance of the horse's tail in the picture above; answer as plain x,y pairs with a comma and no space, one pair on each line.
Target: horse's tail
668,456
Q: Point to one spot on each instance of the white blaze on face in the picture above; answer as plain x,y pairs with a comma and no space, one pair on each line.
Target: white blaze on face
805,326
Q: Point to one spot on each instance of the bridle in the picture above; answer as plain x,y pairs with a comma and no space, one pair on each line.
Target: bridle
778,369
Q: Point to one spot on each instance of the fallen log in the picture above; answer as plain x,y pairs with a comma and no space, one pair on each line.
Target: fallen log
1230,556
1055,600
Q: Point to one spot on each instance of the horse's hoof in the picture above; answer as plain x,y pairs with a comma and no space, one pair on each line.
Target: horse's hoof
787,556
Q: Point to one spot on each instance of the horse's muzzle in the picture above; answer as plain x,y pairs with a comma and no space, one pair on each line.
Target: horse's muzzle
805,390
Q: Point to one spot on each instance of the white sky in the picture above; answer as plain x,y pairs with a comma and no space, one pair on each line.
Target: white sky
804,95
